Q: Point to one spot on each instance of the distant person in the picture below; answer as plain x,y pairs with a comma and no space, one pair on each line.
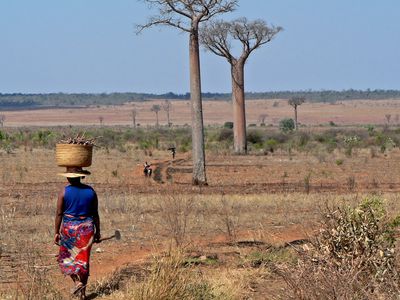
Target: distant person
147,169
173,151
77,226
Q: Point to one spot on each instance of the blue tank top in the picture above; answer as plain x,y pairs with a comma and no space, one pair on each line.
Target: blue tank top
79,201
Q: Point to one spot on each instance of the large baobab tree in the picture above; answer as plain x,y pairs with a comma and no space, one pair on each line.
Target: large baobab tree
186,15
217,37
156,108
167,108
295,102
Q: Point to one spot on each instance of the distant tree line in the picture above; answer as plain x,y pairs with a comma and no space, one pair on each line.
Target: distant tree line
18,100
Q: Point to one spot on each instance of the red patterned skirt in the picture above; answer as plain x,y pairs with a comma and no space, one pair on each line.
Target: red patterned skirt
76,241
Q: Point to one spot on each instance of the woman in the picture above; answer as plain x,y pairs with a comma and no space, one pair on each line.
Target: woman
77,226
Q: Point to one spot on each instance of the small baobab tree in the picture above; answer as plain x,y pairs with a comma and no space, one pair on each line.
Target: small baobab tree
217,37
2,119
167,108
295,102
186,16
388,117
134,115
156,108
262,118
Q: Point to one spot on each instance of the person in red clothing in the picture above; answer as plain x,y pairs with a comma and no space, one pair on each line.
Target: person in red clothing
77,227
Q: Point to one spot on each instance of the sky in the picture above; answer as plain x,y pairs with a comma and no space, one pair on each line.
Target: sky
90,46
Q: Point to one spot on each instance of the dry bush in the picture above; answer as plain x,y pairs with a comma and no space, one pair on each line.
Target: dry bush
168,280
353,257
176,212
229,214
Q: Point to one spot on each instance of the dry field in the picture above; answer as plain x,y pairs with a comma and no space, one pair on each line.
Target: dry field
215,112
253,204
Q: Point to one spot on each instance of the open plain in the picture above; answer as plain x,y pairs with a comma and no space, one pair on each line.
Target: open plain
233,231
215,112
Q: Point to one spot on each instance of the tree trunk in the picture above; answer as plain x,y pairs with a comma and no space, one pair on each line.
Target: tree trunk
198,154
169,123
295,117
239,111
157,119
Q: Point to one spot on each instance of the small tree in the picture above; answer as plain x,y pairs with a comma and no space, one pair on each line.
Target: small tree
101,120
167,108
262,118
295,102
156,108
2,119
217,37
134,114
388,117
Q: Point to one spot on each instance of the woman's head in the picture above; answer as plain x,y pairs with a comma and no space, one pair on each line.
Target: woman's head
75,180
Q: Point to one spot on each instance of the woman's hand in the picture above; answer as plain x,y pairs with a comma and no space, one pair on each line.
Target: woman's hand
57,239
97,237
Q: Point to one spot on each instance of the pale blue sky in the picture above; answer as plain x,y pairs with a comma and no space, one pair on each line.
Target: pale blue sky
90,46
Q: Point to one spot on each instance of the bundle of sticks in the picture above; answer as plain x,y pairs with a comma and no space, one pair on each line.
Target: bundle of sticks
79,140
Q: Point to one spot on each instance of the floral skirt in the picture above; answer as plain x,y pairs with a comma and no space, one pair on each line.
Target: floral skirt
76,239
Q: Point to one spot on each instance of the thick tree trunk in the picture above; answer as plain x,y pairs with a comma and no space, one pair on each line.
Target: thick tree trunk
198,154
239,111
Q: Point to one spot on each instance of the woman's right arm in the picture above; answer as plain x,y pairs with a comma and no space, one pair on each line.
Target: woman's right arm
58,219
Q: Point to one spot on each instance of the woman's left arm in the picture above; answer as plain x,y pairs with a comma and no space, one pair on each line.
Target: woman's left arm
96,219
58,219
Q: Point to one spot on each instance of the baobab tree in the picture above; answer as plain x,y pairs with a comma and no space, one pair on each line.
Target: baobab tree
217,37
134,115
167,108
262,118
186,16
156,108
295,102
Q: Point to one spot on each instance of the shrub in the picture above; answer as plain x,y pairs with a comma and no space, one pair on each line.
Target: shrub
286,125
271,145
351,258
254,137
225,134
228,125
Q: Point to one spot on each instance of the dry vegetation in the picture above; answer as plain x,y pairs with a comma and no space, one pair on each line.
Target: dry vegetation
254,233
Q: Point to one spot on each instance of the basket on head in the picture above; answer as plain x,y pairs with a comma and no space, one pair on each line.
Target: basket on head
74,155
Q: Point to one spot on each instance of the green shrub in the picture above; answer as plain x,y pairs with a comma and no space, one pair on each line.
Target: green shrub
286,125
254,137
271,145
228,125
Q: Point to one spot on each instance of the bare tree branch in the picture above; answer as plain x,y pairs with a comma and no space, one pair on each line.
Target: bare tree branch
217,37
185,14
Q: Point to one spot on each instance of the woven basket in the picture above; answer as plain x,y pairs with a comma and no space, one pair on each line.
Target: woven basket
73,155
